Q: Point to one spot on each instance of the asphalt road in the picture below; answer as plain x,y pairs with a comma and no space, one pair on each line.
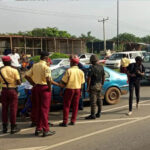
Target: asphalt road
113,131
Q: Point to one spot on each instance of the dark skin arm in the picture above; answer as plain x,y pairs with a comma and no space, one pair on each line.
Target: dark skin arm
88,83
48,83
103,80
30,80
18,82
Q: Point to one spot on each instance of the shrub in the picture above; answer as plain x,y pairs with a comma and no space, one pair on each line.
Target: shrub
53,56
58,55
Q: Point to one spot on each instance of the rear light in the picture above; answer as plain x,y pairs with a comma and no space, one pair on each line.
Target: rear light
128,81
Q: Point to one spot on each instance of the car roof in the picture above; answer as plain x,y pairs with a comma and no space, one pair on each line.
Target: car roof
127,52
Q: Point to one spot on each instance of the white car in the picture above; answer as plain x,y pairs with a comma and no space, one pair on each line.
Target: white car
85,58
1,63
114,60
56,63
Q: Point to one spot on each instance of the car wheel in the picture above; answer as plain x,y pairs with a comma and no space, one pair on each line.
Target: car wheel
112,96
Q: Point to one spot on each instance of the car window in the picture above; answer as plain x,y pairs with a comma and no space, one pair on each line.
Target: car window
65,62
55,61
115,56
107,74
146,59
57,72
82,56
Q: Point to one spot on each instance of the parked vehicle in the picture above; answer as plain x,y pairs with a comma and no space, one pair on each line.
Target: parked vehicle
85,58
116,84
56,63
146,63
103,59
1,63
115,59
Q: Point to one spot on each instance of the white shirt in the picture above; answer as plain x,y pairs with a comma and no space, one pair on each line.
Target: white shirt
14,59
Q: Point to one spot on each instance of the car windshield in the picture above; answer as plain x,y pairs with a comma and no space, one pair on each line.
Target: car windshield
147,59
116,56
58,72
56,61
102,57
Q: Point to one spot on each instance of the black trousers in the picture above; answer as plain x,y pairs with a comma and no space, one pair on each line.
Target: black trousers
132,85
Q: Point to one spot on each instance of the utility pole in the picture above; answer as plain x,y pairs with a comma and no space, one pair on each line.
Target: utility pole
117,24
104,19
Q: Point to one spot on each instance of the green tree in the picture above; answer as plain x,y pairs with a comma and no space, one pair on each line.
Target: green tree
146,39
127,37
89,37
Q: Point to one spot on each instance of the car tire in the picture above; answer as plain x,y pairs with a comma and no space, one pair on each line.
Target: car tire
112,96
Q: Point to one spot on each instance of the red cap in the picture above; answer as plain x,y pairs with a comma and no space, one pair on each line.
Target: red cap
49,60
75,60
6,58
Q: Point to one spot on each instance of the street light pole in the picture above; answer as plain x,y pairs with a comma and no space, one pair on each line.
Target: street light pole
117,24
104,31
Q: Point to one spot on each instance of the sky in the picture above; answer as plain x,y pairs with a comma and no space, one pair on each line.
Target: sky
76,16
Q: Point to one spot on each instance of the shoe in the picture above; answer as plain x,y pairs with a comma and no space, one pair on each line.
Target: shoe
33,124
14,129
98,115
48,133
63,125
5,128
72,123
129,113
38,132
90,117
80,108
50,124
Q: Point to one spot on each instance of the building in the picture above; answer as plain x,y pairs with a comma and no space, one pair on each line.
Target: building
33,45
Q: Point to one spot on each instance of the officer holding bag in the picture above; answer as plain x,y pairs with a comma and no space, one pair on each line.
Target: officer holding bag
96,78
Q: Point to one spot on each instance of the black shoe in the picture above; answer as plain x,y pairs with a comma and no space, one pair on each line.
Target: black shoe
38,132
63,125
48,133
90,117
98,115
33,124
50,124
14,129
72,123
5,128
80,108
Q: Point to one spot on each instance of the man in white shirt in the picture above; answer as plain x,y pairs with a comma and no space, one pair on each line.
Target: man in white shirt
15,58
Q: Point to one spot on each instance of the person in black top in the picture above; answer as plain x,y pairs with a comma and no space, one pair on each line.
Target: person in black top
135,73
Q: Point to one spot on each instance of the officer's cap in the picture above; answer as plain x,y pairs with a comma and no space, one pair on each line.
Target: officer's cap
6,58
75,59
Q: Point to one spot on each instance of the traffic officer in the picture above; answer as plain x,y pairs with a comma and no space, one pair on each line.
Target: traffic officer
9,77
96,77
40,77
135,73
72,81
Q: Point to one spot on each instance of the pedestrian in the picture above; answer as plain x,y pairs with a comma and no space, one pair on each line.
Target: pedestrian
15,58
9,77
81,66
39,77
96,77
124,64
135,73
72,81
